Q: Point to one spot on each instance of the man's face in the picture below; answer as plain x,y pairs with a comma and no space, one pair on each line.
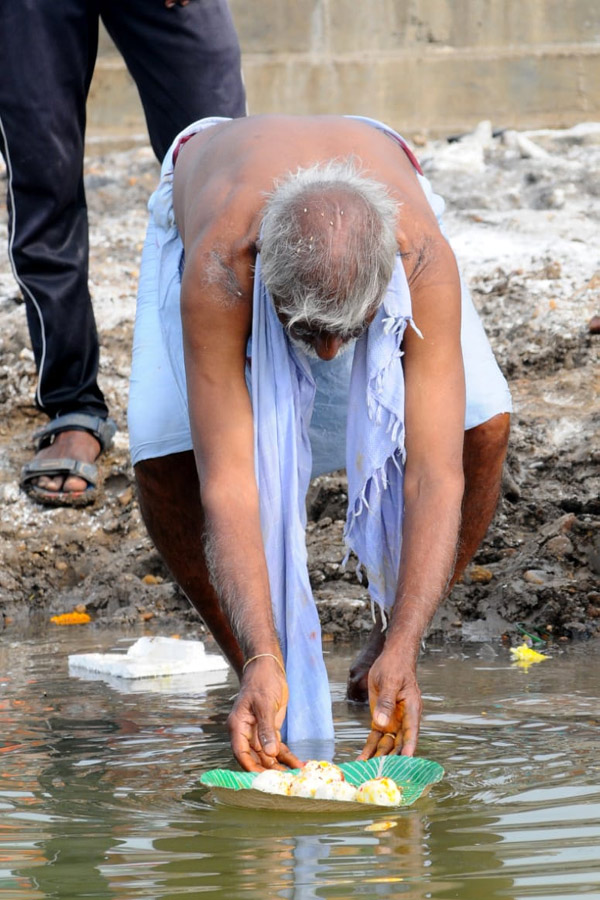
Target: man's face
324,345
320,344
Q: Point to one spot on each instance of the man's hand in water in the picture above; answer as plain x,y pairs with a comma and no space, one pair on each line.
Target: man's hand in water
395,701
257,716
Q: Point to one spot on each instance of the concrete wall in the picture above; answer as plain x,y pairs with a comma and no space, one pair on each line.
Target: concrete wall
426,66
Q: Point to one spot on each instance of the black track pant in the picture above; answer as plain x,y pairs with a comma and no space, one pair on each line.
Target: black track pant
186,64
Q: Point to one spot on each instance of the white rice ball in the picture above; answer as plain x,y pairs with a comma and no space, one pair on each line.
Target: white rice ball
381,791
325,771
274,781
305,785
336,790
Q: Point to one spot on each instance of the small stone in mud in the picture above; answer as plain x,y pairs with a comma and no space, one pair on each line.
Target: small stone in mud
535,576
594,325
125,497
316,577
552,270
152,579
557,526
559,546
479,575
510,488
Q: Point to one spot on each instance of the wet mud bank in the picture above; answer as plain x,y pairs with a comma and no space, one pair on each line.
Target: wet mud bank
523,212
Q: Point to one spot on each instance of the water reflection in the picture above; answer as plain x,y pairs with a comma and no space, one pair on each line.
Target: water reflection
98,794
298,859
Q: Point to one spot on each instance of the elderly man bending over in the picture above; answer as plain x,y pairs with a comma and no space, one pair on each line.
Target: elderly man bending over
275,244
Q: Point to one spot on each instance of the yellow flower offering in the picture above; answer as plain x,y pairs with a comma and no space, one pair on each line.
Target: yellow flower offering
524,655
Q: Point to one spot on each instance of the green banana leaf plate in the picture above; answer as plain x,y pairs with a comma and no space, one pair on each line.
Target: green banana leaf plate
413,775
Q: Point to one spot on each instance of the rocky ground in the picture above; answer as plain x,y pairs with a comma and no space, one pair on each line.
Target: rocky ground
523,215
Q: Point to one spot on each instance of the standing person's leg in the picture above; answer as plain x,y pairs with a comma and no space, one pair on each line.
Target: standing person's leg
184,60
47,55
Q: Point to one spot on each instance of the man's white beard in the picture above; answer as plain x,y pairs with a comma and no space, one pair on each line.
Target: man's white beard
309,350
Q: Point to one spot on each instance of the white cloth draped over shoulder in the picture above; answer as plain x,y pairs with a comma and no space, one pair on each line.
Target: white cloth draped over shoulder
282,390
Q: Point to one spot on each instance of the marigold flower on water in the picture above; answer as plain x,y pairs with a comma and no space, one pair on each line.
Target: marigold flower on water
72,618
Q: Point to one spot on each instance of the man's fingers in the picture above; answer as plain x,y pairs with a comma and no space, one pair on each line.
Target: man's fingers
286,757
370,745
247,758
268,739
410,727
245,745
266,744
250,755
409,742
386,745
258,761
384,713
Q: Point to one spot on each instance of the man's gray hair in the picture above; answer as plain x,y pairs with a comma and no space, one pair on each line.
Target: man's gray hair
328,246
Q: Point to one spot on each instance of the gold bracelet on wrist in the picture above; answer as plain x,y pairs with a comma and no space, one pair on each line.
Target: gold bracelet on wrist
260,656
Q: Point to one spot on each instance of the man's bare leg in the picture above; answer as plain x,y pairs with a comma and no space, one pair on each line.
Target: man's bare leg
483,456
169,495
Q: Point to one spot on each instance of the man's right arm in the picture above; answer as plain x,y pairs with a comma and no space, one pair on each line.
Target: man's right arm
216,316
215,330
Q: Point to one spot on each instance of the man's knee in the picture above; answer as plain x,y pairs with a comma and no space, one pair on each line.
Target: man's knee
169,476
489,437
485,448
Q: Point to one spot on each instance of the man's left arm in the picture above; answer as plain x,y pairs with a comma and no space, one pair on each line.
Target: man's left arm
433,489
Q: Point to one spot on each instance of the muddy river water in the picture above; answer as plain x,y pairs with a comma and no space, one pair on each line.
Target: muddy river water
99,793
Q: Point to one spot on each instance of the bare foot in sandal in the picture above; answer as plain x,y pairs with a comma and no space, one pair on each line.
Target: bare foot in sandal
64,471
78,445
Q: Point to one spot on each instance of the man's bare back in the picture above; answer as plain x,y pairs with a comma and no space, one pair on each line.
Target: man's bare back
224,174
